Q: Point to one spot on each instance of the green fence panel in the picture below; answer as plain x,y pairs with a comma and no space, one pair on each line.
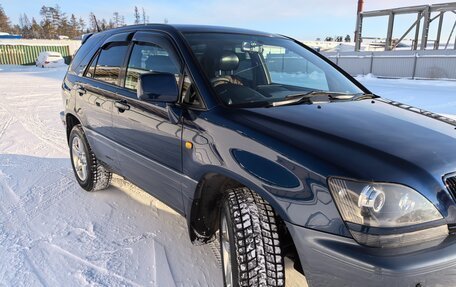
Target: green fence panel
27,54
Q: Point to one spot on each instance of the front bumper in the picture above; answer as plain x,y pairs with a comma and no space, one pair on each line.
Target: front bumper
331,260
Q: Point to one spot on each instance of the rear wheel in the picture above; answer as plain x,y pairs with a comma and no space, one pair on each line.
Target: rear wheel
90,174
249,241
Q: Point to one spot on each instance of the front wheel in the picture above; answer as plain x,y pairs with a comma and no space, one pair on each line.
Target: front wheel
249,241
90,174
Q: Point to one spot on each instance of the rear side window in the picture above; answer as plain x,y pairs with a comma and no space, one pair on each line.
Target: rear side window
149,58
85,53
109,63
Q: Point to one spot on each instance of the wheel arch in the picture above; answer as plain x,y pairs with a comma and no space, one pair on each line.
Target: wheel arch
205,208
71,120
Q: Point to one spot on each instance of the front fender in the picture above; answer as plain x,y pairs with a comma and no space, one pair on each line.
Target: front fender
298,194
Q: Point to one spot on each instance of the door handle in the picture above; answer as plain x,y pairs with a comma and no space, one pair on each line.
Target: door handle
122,106
81,90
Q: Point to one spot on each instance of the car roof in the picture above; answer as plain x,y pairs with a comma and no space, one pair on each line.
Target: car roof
220,29
189,28
51,53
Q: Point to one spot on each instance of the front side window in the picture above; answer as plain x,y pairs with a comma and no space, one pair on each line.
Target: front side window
149,58
252,69
109,63
289,68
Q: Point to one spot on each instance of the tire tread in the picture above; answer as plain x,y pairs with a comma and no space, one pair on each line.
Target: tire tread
259,258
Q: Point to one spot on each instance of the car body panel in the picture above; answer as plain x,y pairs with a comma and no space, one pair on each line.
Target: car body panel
150,139
285,154
94,106
330,260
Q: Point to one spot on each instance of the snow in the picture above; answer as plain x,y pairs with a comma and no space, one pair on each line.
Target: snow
54,234
433,95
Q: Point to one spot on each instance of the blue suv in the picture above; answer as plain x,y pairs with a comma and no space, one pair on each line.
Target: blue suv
261,142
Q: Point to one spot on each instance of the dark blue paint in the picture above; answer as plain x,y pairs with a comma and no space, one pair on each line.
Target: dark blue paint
158,87
285,154
265,170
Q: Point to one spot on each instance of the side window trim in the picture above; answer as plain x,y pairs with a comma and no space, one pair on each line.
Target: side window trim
124,68
183,69
153,38
202,105
94,59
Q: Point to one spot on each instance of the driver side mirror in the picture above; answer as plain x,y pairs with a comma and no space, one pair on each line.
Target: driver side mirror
157,87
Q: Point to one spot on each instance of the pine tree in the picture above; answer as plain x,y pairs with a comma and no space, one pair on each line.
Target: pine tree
82,26
116,19
137,16
144,16
48,29
111,24
5,25
36,30
73,27
103,25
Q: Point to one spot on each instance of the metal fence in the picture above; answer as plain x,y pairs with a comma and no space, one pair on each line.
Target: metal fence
428,64
27,54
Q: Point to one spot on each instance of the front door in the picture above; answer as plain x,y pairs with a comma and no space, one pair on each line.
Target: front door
149,135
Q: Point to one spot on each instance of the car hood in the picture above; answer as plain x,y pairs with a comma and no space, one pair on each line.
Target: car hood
369,139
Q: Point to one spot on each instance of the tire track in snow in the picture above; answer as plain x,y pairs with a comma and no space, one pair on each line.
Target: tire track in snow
91,265
4,123
52,193
118,247
14,106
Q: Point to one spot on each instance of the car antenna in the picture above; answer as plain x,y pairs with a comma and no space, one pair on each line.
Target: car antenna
96,22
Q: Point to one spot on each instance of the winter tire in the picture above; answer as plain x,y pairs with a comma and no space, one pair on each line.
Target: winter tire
249,241
90,174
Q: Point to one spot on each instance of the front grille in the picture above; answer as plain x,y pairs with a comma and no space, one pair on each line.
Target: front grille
450,182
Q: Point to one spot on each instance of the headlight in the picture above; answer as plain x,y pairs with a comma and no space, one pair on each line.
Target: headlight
386,214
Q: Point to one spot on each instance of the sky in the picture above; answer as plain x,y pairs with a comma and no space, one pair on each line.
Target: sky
302,19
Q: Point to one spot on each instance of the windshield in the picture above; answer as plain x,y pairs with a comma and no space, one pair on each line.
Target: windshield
250,69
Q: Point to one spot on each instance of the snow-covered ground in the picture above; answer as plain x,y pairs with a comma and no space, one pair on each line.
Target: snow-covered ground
433,95
54,234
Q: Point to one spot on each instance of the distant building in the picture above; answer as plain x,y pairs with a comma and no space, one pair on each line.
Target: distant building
4,35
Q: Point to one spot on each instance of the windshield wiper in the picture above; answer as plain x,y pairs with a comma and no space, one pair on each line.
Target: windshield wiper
365,96
306,97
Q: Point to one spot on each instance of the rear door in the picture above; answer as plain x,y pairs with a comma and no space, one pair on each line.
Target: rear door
149,135
96,93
